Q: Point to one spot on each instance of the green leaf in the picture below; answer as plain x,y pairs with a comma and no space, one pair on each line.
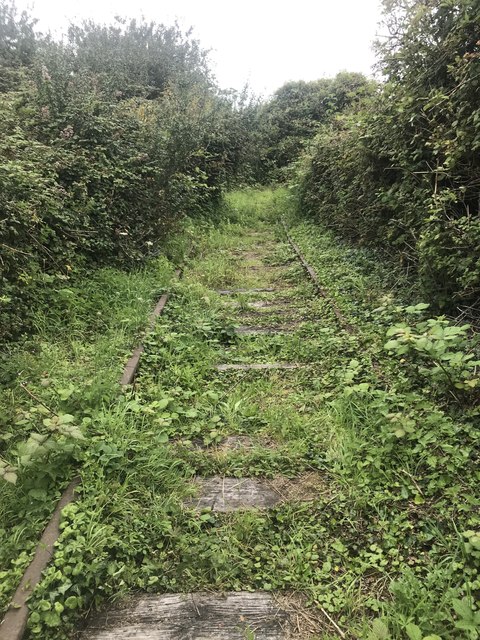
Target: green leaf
71,602
34,617
463,609
339,546
38,494
52,619
71,431
30,447
380,630
421,306
64,394
7,472
391,345
362,387
413,632
59,608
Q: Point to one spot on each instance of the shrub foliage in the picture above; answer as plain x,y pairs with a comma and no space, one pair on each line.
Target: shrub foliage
403,171
292,117
106,141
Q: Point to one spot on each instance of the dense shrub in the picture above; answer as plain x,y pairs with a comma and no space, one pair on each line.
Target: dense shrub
404,171
292,117
18,45
105,143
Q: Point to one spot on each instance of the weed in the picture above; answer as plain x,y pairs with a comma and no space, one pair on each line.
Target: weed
384,541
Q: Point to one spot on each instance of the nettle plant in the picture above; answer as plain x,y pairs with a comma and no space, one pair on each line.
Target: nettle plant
49,432
440,350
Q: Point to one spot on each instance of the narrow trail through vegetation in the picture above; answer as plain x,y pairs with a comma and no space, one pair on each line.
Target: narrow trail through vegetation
293,447
267,295
270,396
275,471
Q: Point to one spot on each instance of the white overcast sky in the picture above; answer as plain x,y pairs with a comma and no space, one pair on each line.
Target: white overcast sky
262,42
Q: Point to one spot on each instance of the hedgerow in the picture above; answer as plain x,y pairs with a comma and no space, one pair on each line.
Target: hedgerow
106,142
402,172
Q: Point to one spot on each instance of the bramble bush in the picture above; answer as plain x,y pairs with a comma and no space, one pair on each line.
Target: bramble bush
402,172
106,142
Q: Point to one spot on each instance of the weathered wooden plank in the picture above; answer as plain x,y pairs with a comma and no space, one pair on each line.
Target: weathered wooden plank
195,616
248,330
257,367
131,367
280,304
265,267
231,494
159,307
273,306
230,292
237,443
130,370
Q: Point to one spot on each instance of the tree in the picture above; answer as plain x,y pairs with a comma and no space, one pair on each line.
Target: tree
17,43
294,114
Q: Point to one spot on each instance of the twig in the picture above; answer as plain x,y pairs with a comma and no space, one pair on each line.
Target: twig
238,381
24,253
37,399
413,480
332,621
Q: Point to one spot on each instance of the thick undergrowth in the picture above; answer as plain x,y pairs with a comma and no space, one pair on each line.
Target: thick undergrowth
55,386
108,140
400,172
376,423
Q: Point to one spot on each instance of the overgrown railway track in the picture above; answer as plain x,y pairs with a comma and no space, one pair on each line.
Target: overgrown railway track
14,623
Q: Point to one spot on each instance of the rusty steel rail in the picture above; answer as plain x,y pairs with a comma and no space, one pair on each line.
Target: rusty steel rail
131,368
15,620
316,281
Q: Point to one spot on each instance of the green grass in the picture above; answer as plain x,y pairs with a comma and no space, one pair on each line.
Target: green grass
387,547
72,366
